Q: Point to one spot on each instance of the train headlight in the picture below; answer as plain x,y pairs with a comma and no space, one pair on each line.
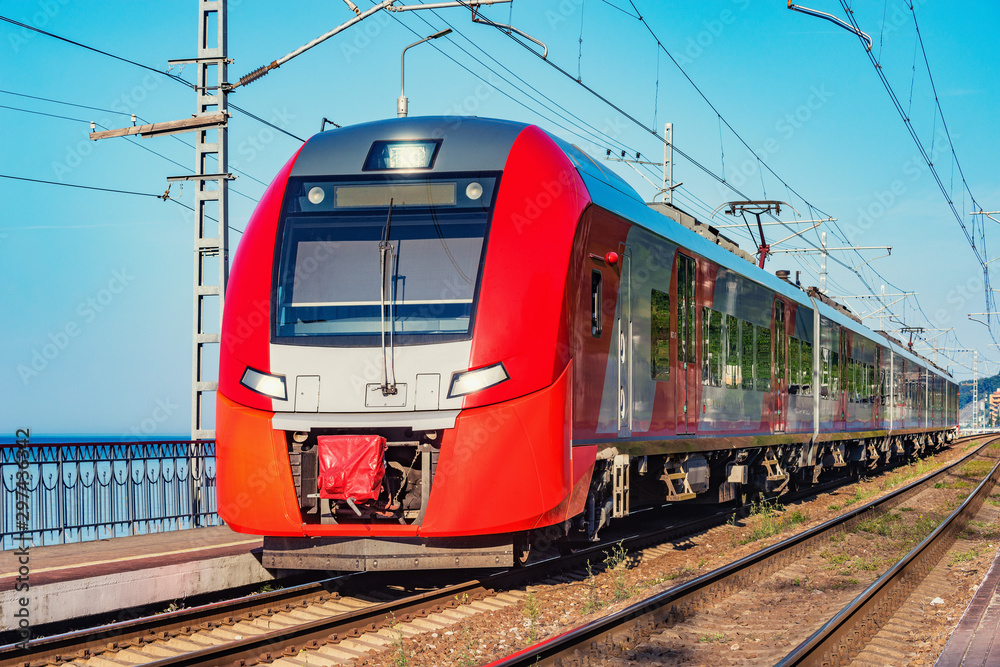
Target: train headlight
472,381
264,383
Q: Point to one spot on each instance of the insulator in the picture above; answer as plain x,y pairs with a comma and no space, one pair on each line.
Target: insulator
256,74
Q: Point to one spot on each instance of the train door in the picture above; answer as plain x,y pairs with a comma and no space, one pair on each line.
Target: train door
840,368
623,333
921,398
780,383
874,393
687,358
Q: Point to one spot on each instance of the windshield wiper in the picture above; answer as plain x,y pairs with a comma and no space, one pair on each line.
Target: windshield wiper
385,250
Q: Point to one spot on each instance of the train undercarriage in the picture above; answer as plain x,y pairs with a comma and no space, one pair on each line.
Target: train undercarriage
744,476
619,485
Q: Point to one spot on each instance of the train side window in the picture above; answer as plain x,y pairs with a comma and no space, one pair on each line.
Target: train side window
806,370
686,306
825,368
851,379
763,358
747,357
732,352
794,363
596,299
712,346
835,374
660,338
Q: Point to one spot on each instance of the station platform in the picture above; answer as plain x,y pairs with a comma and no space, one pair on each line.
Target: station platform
70,581
976,640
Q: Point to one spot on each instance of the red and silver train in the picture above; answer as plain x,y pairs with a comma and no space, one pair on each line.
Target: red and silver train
442,334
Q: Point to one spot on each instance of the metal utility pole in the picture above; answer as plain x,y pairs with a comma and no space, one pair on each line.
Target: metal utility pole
988,214
211,244
822,267
975,379
885,306
668,186
668,162
975,393
824,251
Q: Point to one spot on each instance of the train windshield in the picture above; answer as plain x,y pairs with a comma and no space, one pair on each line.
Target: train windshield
357,258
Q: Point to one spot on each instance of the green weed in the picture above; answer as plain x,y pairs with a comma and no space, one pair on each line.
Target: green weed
768,521
965,556
532,611
593,601
617,562
976,469
399,658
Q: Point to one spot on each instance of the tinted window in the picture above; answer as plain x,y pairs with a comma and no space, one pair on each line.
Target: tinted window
660,338
345,274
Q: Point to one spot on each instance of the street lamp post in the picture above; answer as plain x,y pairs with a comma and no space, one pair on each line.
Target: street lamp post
402,103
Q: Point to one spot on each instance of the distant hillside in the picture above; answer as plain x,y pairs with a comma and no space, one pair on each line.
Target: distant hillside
986,387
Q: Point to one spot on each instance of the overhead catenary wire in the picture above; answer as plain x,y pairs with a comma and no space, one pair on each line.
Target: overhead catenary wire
130,140
722,180
83,187
111,190
123,113
167,74
638,16
907,122
722,120
41,113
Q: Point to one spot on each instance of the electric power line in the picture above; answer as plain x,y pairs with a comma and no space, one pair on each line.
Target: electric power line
174,77
990,301
84,187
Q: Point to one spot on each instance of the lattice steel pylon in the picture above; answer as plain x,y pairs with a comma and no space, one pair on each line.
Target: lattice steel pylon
211,192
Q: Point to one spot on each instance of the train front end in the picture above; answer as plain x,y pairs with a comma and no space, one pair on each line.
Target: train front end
395,385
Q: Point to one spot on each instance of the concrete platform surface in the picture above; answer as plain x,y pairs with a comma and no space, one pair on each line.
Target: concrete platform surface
69,581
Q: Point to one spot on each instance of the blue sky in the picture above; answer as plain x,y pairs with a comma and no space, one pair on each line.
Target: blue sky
95,296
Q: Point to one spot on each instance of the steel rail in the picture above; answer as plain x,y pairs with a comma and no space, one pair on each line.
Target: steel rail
289,642
62,646
681,601
185,621
140,631
846,634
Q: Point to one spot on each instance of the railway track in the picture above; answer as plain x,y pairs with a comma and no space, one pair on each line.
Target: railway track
328,619
682,624
328,616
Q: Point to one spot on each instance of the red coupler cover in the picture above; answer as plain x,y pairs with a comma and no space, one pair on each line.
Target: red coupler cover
351,466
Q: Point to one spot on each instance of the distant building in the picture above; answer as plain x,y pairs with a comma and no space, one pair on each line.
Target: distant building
993,416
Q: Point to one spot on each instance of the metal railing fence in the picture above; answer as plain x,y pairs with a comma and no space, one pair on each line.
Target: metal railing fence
89,491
